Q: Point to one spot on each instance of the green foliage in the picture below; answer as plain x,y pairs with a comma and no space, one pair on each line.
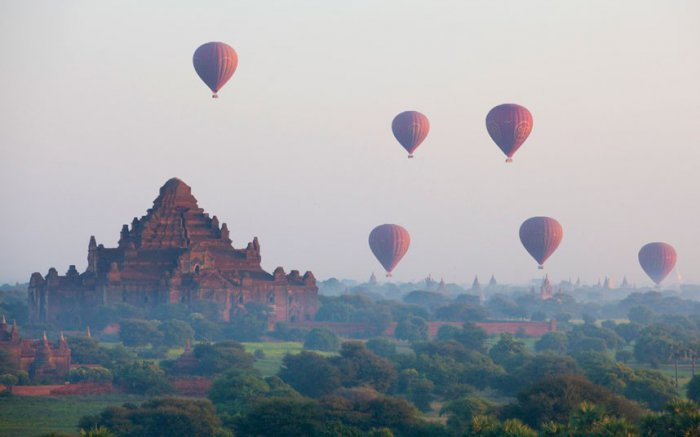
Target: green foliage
555,399
412,328
85,350
472,337
679,418
236,392
461,312
6,362
555,342
693,389
651,388
460,413
35,415
159,417
321,339
282,417
175,333
139,332
91,374
142,377
220,357
310,374
359,366
509,352
113,313
284,332
641,314
8,379
381,346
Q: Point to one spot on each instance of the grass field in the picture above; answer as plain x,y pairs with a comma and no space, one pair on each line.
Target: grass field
274,352
32,416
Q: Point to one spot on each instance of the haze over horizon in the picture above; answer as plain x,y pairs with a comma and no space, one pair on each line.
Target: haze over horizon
101,105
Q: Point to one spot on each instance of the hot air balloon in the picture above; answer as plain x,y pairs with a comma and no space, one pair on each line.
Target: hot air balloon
657,260
541,237
410,129
389,244
509,126
215,63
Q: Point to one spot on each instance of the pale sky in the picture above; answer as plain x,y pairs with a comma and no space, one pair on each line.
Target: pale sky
100,105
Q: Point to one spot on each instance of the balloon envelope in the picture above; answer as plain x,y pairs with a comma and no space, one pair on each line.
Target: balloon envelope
657,260
410,129
389,244
509,125
541,237
215,63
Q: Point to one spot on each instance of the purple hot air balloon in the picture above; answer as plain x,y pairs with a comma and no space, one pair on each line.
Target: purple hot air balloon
410,129
389,244
509,126
541,237
657,260
215,63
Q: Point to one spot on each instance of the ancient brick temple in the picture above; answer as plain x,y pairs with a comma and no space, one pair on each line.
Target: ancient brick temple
37,357
176,253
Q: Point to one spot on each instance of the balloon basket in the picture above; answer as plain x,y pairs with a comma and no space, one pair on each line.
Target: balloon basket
509,160
540,267
214,96
410,156
388,275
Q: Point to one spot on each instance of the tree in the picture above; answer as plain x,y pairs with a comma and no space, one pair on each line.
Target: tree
641,314
247,327
7,364
555,342
237,392
655,345
693,389
321,339
412,328
460,413
310,374
175,333
651,388
679,418
221,357
159,417
85,350
358,366
381,346
92,374
554,400
472,337
138,332
281,417
142,377
509,352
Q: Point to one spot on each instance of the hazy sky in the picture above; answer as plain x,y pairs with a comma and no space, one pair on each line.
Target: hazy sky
100,105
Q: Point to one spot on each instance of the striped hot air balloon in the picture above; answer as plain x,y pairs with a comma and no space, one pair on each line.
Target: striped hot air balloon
657,259
215,63
541,237
509,125
410,129
389,244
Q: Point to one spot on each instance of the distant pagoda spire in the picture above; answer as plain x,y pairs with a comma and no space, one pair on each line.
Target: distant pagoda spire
372,279
492,281
546,289
476,286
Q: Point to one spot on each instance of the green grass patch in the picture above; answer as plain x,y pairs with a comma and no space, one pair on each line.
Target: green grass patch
31,416
274,353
